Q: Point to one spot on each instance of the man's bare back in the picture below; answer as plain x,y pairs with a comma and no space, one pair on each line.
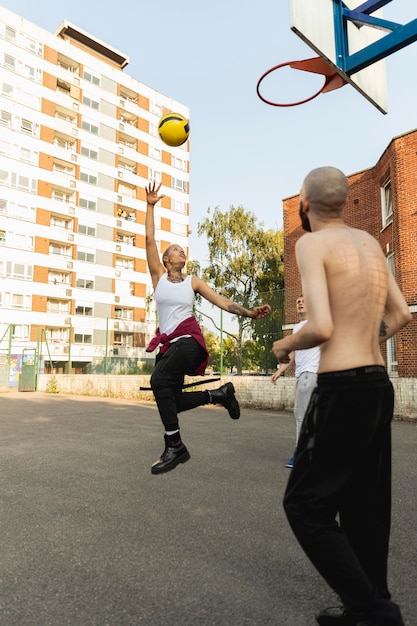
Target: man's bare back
357,281
352,299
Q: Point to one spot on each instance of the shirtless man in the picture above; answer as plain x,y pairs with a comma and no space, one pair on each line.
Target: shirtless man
338,497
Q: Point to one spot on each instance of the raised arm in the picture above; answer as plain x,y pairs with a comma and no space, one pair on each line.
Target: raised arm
156,268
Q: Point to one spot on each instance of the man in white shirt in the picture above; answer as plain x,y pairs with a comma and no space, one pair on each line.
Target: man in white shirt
306,366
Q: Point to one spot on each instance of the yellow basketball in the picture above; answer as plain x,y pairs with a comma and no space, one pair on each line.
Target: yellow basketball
173,129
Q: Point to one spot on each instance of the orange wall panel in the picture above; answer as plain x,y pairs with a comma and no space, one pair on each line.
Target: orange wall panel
165,224
140,265
49,81
40,274
50,54
48,108
39,303
41,245
43,216
44,189
47,134
46,161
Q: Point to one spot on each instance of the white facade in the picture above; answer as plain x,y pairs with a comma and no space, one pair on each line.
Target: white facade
78,144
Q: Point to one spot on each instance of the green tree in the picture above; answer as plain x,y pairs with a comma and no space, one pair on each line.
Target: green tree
213,348
244,260
230,354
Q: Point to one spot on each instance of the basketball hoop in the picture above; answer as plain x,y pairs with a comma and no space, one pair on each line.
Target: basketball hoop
317,65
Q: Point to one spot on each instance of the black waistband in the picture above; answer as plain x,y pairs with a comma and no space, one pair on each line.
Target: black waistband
355,372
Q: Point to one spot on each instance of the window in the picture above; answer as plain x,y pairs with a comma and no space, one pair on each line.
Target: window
89,127
126,238
177,183
123,339
90,153
86,230
61,222
386,202
58,278
123,314
56,335
88,177
154,175
84,310
60,196
24,182
83,338
22,212
85,255
92,78
93,104
88,203
155,153
125,264
7,90
57,306
156,108
85,283
20,332
9,62
20,240
179,229
60,250
9,33
6,118
16,301
179,207
181,164
13,269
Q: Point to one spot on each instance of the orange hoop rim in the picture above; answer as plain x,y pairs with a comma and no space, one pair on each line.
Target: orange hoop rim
288,104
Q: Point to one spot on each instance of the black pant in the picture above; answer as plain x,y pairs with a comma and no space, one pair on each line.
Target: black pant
182,357
338,497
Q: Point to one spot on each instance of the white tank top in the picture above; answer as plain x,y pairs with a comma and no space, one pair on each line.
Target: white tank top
307,360
174,302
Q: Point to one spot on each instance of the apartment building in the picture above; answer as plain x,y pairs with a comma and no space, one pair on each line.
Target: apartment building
383,201
78,143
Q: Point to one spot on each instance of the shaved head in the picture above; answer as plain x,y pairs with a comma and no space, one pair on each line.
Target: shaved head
326,190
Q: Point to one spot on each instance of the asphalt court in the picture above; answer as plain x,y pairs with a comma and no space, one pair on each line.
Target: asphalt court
90,537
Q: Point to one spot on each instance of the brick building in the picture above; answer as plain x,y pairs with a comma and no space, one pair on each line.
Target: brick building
383,201
78,144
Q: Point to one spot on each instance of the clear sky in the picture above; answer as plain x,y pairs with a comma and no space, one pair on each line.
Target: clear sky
209,56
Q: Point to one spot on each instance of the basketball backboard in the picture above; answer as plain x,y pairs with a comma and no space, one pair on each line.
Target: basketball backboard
314,22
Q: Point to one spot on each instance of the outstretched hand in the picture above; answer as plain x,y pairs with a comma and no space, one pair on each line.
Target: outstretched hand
261,311
152,196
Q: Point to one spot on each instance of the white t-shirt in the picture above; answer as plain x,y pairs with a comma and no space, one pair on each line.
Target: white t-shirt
306,360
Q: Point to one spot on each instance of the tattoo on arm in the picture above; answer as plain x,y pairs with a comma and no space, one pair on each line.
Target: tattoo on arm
383,329
237,309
